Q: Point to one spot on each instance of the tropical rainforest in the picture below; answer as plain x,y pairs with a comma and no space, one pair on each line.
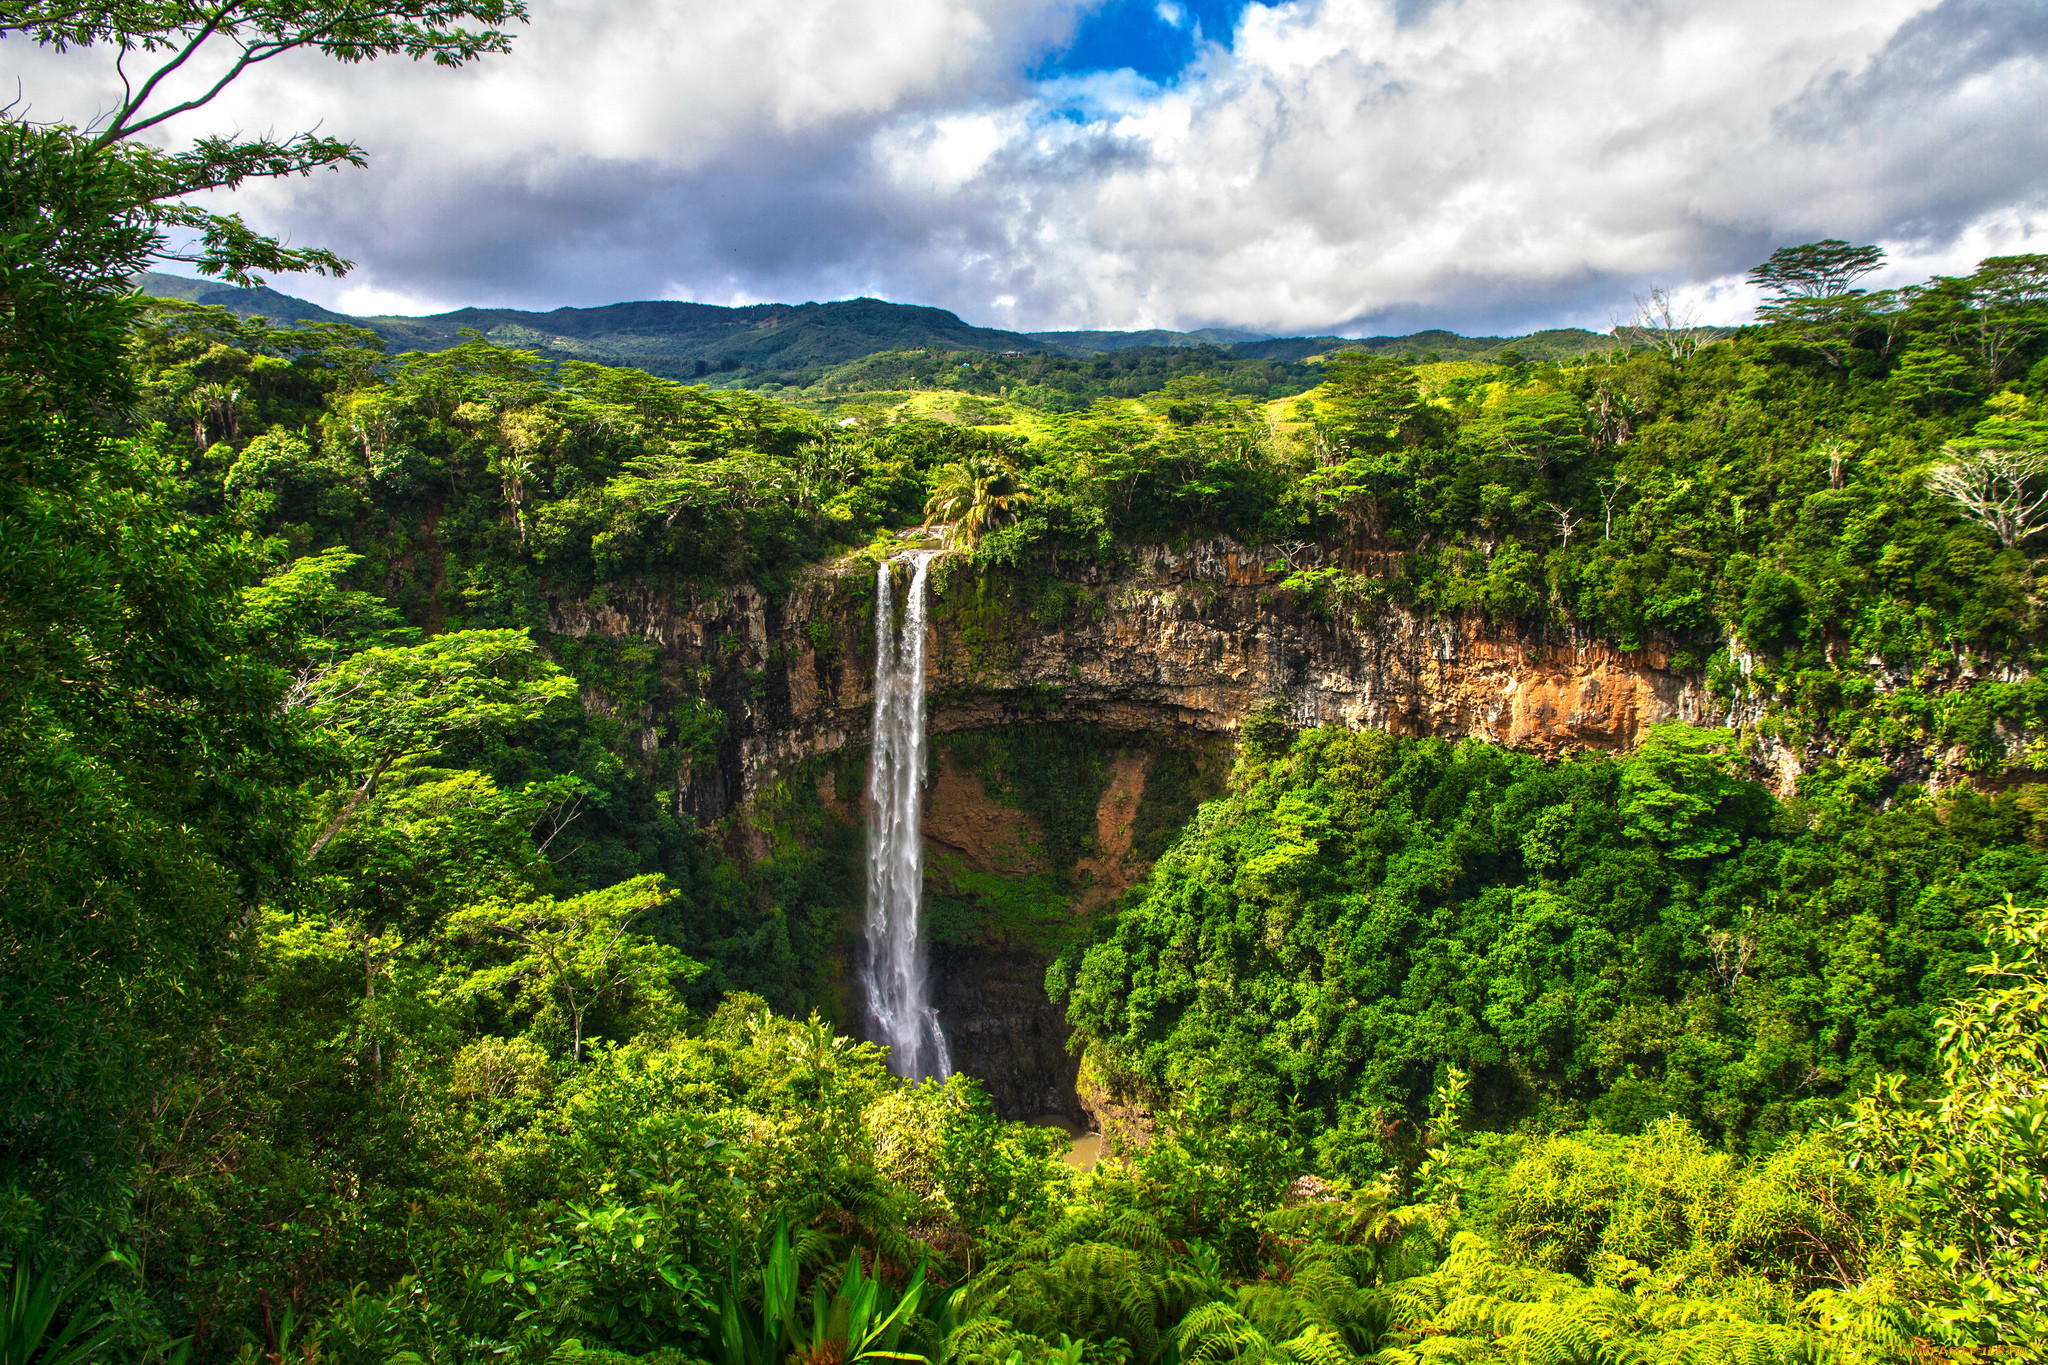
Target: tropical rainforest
368,996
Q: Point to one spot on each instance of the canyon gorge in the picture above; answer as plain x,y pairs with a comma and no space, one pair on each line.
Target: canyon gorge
1144,670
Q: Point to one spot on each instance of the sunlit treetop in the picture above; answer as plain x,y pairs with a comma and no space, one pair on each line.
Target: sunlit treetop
1817,270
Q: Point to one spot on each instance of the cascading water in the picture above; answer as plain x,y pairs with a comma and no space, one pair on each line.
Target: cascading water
898,989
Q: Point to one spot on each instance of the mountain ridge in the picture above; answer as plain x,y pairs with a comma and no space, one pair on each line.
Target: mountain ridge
678,339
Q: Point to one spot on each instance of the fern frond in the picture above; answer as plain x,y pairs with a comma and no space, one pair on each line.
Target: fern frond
1736,1342
1449,1351
1481,1315
1314,1346
1217,1332
1679,1313
1137,1231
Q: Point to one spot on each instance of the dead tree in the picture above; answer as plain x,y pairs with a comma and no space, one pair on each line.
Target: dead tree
1997,487
1663,324
1567,521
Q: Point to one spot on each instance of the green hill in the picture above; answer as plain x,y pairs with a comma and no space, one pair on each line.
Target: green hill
1157,336
259,302
674,339
1558,343
697,340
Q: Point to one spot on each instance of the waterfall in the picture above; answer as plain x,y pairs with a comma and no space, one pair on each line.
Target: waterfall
898,987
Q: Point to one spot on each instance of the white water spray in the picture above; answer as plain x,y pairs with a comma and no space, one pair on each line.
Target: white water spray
898,984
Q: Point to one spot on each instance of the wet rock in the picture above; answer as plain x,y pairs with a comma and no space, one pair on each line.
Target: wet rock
1003,1031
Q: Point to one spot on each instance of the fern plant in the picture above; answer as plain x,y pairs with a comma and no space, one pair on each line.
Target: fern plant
1476,1307
1219,1334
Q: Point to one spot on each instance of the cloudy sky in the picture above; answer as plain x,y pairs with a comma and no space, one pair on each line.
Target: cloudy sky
1359,166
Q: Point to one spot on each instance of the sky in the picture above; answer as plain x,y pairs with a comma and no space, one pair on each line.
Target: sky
1359,167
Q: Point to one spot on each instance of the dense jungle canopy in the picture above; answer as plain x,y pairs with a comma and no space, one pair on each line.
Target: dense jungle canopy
365,996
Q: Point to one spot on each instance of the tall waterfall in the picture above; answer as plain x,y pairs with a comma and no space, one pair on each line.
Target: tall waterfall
898,987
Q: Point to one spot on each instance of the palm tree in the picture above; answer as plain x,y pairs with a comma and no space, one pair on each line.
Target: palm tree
974,497
214,404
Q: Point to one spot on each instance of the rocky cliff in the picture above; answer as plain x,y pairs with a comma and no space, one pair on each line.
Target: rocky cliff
1183,640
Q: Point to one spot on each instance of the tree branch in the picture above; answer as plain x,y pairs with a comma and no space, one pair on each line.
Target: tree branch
129,105
355,799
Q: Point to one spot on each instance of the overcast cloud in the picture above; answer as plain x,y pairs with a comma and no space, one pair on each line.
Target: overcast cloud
1350,165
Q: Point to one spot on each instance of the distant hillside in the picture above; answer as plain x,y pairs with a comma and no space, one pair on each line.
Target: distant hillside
1561,343
261,302
679,340
1124,341
795,342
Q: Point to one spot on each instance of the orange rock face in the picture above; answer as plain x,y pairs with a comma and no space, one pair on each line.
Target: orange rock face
1115,868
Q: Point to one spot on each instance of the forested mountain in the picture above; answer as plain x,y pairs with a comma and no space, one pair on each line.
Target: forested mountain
1528,859
660,336
1562,343
798,343
255,301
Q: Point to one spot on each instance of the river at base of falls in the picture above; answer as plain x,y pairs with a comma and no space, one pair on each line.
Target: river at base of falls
1084,1148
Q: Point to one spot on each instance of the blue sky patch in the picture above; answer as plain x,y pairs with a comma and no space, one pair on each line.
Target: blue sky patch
1154,38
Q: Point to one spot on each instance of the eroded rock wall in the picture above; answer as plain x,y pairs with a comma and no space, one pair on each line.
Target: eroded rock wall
1177,643
1182,640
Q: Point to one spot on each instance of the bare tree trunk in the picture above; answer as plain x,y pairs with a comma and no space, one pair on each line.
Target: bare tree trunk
355,799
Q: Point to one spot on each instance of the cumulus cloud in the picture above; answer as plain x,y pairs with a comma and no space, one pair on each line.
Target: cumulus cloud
1495,163
1336,164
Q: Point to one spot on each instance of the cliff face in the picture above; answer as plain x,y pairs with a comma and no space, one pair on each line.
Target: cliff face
1185,641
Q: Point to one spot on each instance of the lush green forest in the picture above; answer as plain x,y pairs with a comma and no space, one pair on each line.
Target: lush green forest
1046,383
367,996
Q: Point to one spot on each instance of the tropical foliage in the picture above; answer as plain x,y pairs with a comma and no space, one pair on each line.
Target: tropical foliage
1608,939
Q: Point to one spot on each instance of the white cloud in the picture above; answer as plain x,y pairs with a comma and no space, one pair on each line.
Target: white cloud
1513,159
1476,163
370,301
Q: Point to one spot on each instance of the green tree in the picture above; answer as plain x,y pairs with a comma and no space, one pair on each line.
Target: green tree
1680,790
146,764
1973,1158
1811,294
579,952
1369,403
1540,428
390,703
2008,292
974,497
1369,420
171,36
1817,270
